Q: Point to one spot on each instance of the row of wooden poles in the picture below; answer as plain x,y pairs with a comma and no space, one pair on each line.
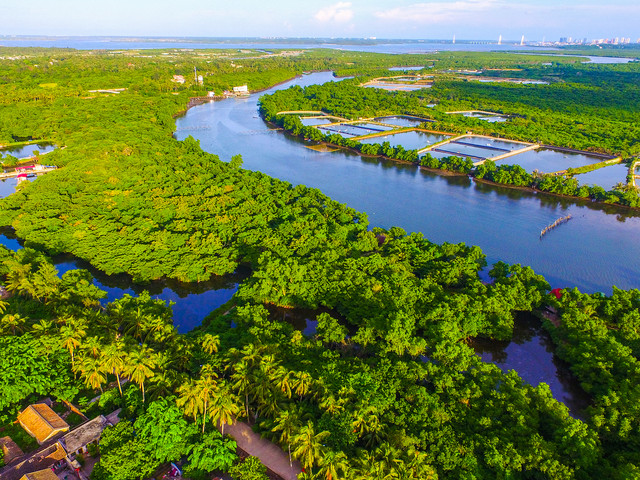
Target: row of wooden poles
554,225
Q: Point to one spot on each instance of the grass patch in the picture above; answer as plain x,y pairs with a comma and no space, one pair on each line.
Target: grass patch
25,441
74,419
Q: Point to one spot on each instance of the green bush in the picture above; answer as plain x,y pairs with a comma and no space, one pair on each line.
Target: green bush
249,469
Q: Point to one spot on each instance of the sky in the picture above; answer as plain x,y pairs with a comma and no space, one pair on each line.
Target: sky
439,19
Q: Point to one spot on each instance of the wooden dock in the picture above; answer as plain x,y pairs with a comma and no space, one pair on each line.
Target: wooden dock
550,227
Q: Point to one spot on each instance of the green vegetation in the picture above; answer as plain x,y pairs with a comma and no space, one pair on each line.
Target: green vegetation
387,387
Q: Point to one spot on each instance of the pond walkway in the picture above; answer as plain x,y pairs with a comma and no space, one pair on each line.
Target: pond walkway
271,455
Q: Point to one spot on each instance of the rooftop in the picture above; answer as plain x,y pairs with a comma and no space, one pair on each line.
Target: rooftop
84,434
41,422
46,474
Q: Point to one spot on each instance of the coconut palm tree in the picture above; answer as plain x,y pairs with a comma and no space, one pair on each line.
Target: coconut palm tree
302,384
333,462
189,399
71,336
92,346
210,343
284,380
13,322
287,423
224,407
43,327
91,370
113,360
139,365
207,388
308,447
243,381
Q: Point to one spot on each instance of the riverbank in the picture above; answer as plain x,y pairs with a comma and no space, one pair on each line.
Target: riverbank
556,184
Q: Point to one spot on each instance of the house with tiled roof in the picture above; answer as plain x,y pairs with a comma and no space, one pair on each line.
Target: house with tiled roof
75,442
46,474
41,422
48,457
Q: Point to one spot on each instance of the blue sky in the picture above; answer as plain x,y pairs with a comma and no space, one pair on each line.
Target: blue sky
467,19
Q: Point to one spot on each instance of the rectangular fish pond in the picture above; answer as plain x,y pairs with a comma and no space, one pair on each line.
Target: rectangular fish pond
409,140
311,121
403,120
548,161
606,177
354,130
477,148
486,116
403,87
403,69
492,143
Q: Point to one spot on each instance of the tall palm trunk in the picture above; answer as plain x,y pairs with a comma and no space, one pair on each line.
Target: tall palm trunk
204,416
119,386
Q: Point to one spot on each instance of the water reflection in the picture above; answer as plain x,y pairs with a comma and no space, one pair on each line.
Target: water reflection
192,301
530,354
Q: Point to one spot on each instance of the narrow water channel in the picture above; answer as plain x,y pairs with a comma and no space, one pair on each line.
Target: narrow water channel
191,302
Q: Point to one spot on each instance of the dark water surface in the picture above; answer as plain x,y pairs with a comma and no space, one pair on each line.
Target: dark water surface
192,301
530,353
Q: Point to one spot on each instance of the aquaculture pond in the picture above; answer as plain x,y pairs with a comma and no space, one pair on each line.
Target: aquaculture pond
311,121
486,117
403,120
548,161
355,130
606,177
463,149
392,86
404,69
504,145
412,140
513,80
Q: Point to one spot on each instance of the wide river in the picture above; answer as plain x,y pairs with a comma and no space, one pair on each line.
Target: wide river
598,248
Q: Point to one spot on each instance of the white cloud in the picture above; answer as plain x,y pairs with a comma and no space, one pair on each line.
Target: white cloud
340,12
437,11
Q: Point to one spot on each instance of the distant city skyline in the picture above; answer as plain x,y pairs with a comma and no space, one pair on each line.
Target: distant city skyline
466,19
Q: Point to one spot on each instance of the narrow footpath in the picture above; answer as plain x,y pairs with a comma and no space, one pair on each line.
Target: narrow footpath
268,452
